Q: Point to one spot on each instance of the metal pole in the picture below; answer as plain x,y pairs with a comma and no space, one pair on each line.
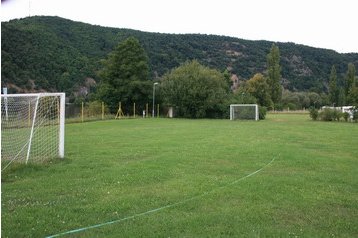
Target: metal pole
5,101
32,129
102,110
61,147
154,98
82,111
29,117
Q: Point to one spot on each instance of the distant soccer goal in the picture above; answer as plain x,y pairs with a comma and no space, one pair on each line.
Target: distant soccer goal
32,127
244,112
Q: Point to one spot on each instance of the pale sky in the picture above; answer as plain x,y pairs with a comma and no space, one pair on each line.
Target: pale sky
330,24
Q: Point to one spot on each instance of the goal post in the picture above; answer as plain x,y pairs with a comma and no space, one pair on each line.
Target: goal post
32,127
244,112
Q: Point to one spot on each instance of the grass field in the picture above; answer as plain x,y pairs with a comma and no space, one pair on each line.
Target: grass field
286,176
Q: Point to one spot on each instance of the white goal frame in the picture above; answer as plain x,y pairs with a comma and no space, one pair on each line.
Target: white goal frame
232,111
6,109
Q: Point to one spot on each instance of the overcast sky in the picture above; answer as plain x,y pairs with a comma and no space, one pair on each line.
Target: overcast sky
330,24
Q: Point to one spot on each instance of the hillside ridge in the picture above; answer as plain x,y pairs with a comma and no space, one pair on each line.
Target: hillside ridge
44,53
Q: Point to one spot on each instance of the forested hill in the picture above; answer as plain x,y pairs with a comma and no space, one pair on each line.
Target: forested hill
56,54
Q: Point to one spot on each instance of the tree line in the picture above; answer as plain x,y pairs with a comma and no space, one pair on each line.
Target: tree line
197,91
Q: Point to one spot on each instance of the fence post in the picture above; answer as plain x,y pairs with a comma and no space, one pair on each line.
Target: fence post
134,110
82,111
102,110
146,110
119,112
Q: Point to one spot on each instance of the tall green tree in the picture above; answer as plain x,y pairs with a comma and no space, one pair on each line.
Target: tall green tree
341,99
350,78
125,76
274,74
353,96
351,85
195,91
227,78
257,86
333,90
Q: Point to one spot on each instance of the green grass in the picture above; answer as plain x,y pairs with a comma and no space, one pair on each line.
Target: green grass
117,169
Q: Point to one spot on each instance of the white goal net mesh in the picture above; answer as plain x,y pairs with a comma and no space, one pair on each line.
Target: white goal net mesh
244,112
31,127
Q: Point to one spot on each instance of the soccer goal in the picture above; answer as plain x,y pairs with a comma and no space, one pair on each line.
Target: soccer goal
244,112
32,127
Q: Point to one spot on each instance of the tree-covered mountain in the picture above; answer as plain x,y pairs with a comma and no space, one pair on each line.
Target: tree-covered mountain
56,54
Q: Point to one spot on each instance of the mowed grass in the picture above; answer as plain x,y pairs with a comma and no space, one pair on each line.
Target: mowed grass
193,172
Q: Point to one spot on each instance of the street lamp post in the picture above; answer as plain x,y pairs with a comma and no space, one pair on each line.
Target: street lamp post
154,98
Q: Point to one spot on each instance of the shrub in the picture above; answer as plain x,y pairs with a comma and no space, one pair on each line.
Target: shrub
326,115
339,115
262,113
313,113
292,106
336,115
346,116
355,114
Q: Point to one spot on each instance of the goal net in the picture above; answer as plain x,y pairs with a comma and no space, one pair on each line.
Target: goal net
244,112
32,127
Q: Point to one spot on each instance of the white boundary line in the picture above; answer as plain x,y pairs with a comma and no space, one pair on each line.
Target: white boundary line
160,208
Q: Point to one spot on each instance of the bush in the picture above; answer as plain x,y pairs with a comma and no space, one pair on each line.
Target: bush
262,113
355,114
313,113
337,115
327,115
346,116
332,115
292,106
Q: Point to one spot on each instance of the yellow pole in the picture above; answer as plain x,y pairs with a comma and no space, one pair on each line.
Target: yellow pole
102,110
158,110
82,111
134,110
120,108
119,112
